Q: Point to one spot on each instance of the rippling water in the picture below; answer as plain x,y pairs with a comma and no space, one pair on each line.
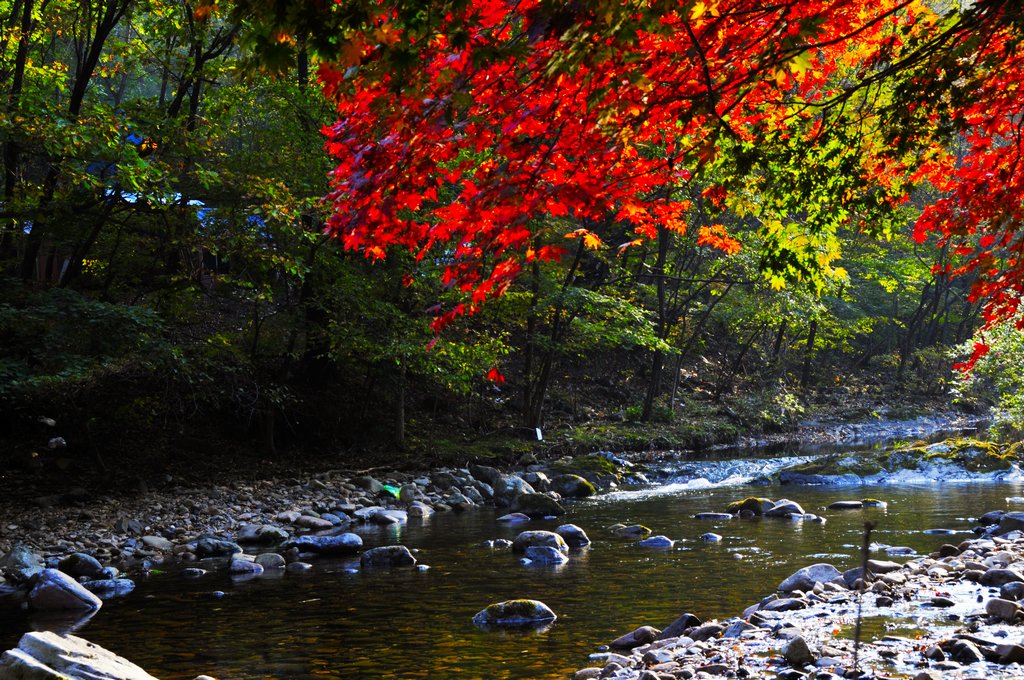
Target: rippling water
407,624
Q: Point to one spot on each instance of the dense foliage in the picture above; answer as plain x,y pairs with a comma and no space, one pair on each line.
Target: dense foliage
651,210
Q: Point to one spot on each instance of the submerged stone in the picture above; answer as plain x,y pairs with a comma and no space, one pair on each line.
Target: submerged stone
515,613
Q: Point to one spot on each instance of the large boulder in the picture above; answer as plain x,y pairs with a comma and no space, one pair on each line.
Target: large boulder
22,563
751,504
515,613
784,508
56,590
641,636
1011,521
805,578
537,505
539,538
342,544
387,557
43,655
573,486
485,473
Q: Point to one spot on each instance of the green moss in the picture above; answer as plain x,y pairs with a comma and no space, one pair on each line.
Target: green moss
590,463
751,503
861,465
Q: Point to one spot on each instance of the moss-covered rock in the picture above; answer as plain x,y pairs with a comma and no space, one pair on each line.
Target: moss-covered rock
549,539
537,505
573,486
634,531
753,504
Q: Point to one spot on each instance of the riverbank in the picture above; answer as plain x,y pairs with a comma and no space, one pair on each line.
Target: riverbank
952,614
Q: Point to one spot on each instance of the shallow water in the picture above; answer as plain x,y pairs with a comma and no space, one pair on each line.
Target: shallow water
407,624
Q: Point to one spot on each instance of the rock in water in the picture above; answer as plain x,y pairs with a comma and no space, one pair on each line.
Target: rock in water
573,486
515,613
81,564
386,557
57,590
657,542
539,538
343,544
641,636
808,576
537,505
573,535
22,563
44,655
544,554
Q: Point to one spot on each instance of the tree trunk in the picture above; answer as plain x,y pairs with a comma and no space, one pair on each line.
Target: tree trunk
805,376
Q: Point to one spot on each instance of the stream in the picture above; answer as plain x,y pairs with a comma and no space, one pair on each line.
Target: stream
337,622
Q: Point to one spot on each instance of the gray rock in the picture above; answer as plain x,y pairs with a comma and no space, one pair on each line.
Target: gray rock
270,561
539,538
368,484
508,487
312,523
965,651
641,636
706,632
678,627
784,508
711,537
298,567
1012,591
514,518
157,543
408,493
634,531
1004,610
261,534
342,544
714,515
57,590
515,613
883,566
81,564
657,542
420,509
107,588
846,505
1000,577
805,578
22,563
737,628
537,505
387,557
797,653
242,567
1010,653
545,554
573,535
1010,521
216,547
485,473
43,655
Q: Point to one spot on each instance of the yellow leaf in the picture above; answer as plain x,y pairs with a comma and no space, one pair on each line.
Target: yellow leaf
699,8
591,241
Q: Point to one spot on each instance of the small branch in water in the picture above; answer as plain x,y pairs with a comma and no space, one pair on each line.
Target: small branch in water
865,552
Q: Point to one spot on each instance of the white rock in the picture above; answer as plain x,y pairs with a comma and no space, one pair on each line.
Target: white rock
43,655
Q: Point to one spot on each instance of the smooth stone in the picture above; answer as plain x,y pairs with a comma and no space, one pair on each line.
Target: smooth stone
1012,591
883,566
657,542
514,518
44,654
714,515
573,535
387,557
784,508
638,531
261,534
515,613
797,653
110,587
81,564
537,505
1010,653
678,627
342,544
57,590
1004,610
22,563
312,523
846,505
270,561
298,567
215,547
711,537
805,578
157,543
420,509
539,538
239,567
544,554
641,636
1000,577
